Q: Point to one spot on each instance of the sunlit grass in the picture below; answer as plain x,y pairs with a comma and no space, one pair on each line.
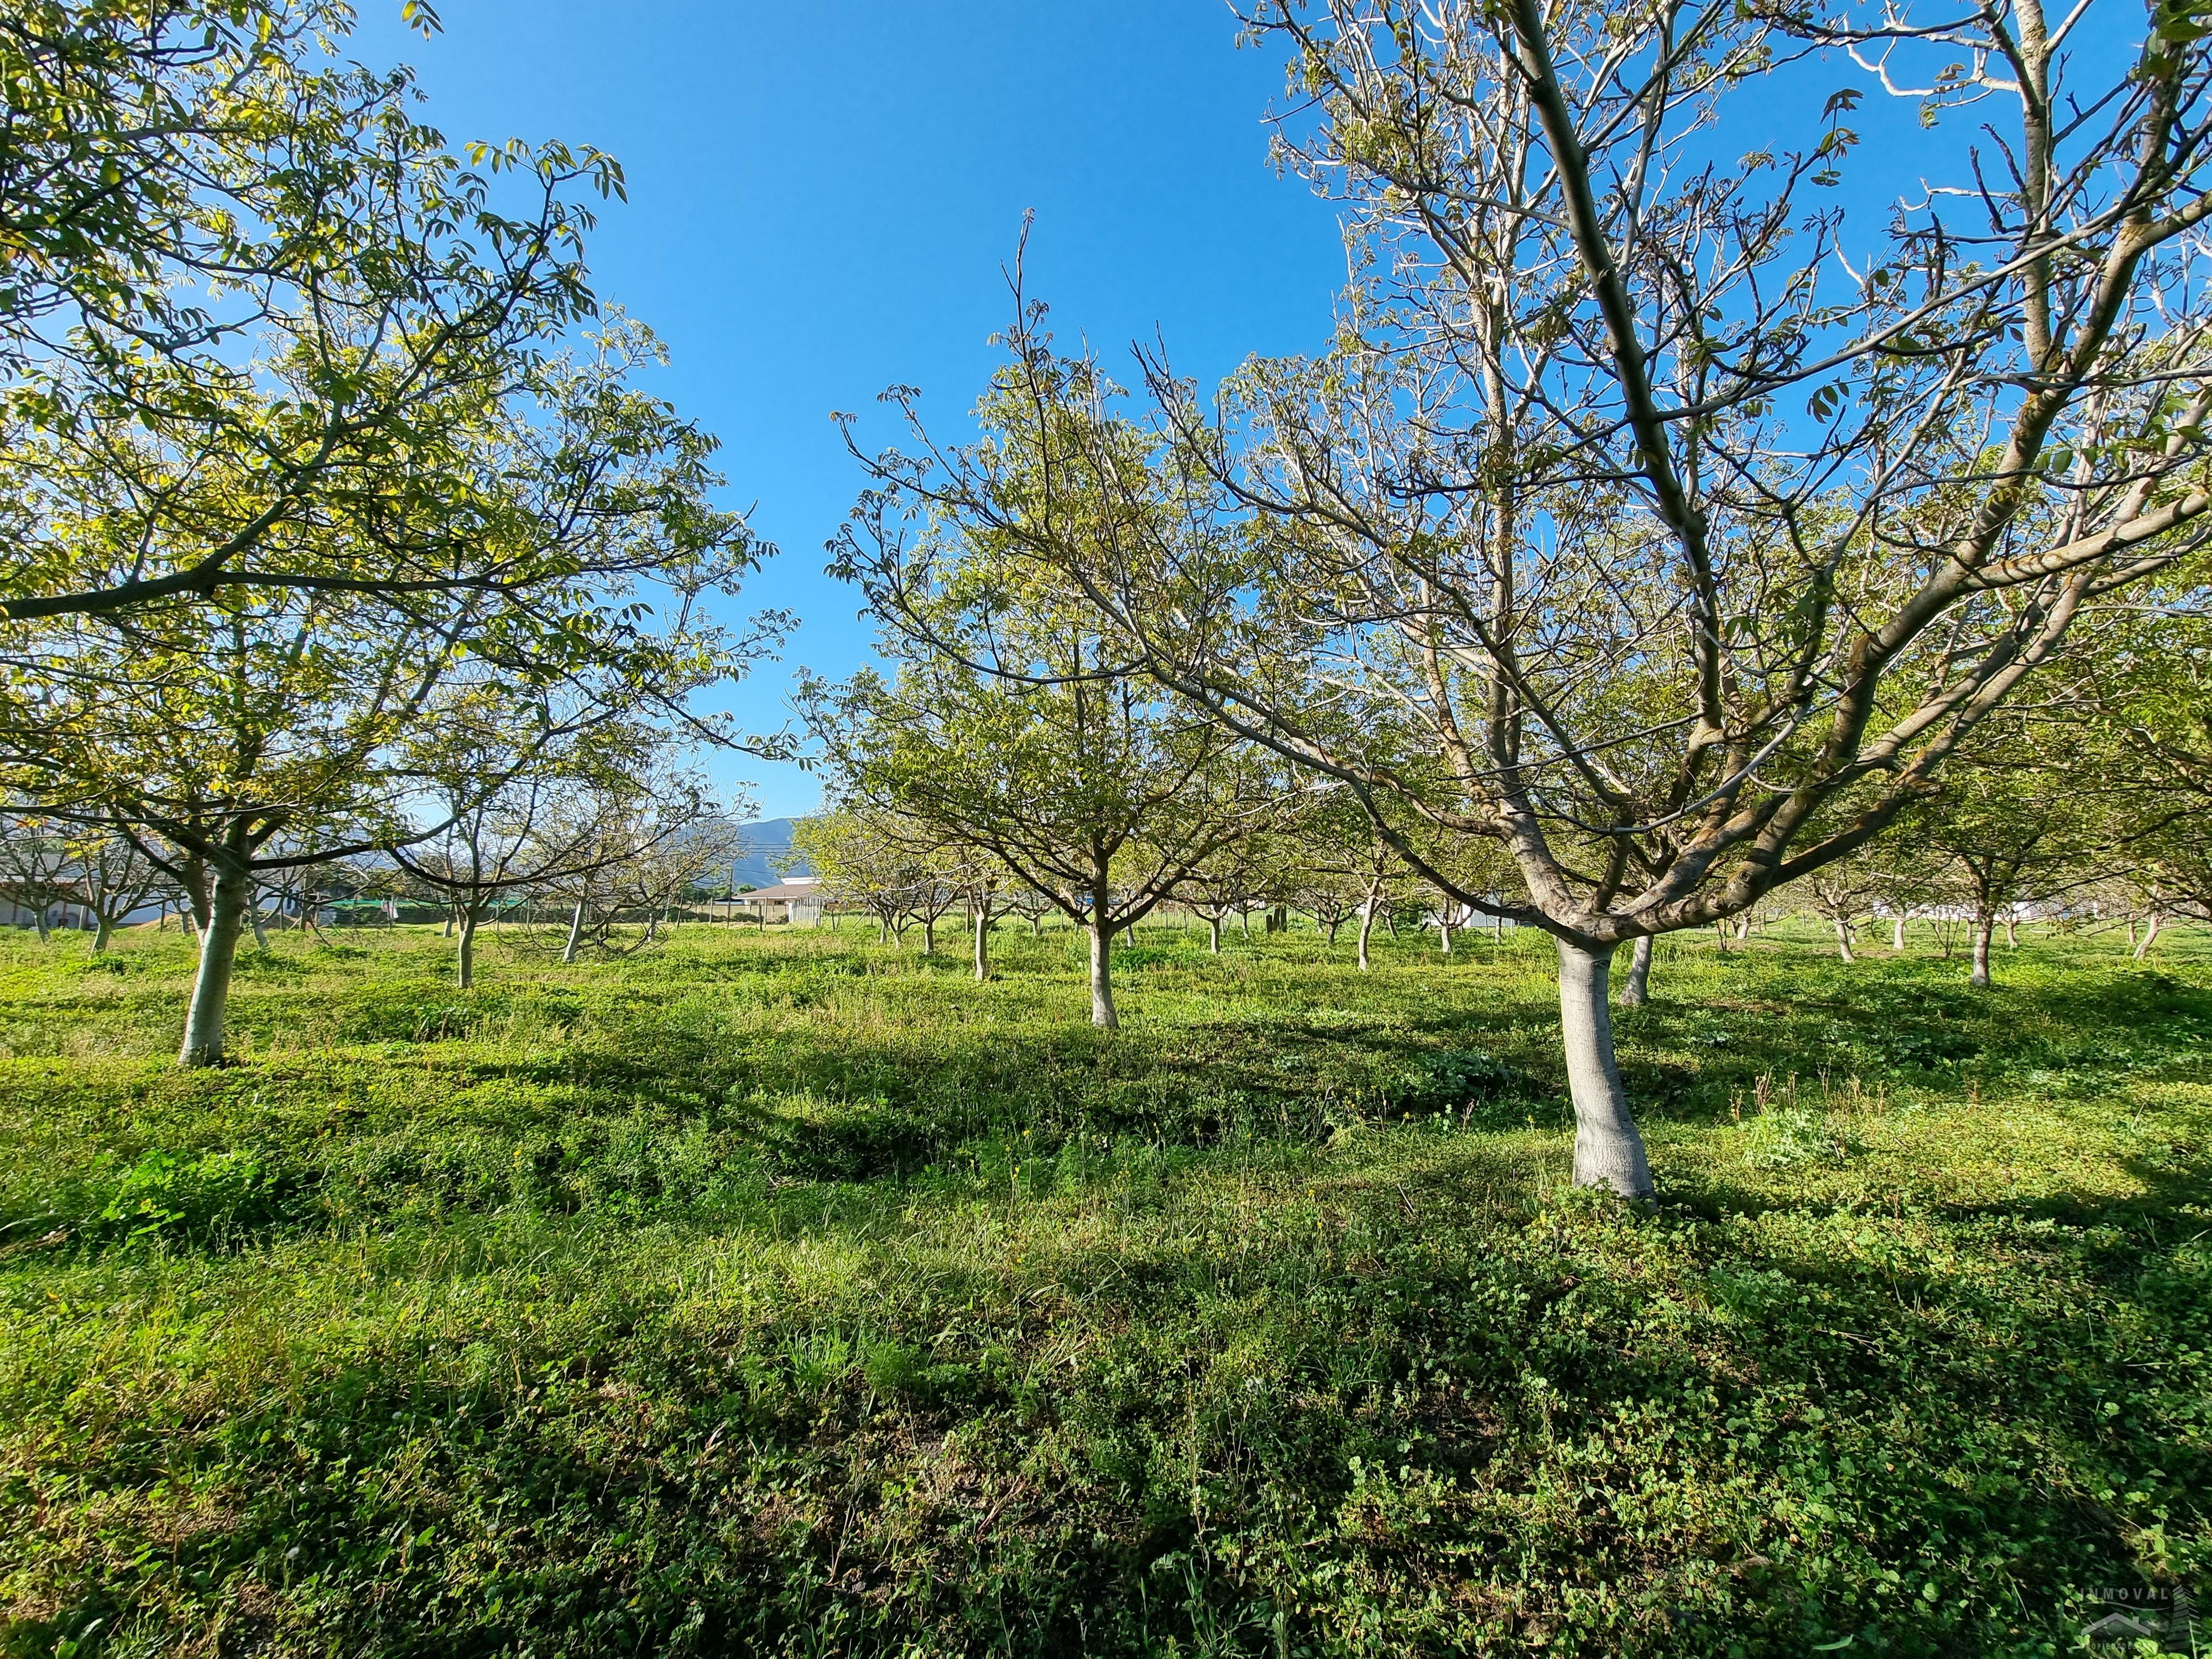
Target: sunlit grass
796,1295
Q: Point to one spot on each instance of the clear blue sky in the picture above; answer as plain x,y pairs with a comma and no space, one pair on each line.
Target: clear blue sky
821,193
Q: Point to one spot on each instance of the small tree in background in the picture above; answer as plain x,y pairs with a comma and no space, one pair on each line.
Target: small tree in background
39,863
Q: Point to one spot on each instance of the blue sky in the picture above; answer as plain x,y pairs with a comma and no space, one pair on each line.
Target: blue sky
821,195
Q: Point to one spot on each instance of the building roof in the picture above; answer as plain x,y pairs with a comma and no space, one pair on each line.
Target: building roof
805,887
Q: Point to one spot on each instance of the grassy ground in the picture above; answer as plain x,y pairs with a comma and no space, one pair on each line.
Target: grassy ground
796,1296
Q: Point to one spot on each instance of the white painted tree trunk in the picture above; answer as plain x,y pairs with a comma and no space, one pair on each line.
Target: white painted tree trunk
575,933
2151,935
1101,976
1844,939
929,936
1608,1149
203,1044
1638,990
1985,926
1443,935
1366,929
1213,934
982,944
1897,933
2012,934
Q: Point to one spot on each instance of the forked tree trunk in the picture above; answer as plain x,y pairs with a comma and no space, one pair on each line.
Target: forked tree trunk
575,933
1844,939
1366,929
2150,936
1333,926
1743,927
1101,976
1608,1149
465,954
1636,991
982,944
203,1044
1985,926
1897,933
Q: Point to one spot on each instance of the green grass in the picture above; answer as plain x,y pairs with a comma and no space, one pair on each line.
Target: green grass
791,1295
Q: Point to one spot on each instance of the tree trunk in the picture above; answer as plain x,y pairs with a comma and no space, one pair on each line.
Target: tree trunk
575,933
203,1044
1985,926
982,944
1743,927
46,932
260,931
2012,932
1213,934
1244,920
1897,933
1609,1150
2151,935
1843,939
929,936
448,932
465,954
99,939
1334,925
1101,979
1443,935
1366,928
1638,990
1036,925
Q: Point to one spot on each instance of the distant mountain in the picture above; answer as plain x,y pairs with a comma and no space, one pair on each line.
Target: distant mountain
769,839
